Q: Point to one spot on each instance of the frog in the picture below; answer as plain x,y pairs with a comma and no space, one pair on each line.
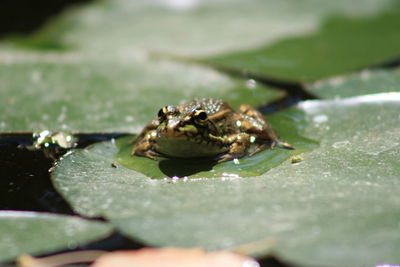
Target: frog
206,128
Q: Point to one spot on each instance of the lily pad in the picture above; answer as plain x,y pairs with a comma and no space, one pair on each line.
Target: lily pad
74,92
339,205
366,82
286,123
38,233
189,27
341,45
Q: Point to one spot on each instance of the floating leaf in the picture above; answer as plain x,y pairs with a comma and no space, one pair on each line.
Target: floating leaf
41,233
189,27
366,82
73,92
339,205
342,45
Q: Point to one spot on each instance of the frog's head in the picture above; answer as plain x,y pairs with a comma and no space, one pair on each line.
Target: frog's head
175,123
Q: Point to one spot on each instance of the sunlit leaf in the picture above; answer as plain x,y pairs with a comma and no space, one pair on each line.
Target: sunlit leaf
338,205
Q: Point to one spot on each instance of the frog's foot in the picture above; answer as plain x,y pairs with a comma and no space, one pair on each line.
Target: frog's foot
271,145
281,144
151,154
144,148
238,148
259,147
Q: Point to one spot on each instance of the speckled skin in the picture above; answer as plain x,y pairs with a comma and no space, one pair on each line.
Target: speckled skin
180,132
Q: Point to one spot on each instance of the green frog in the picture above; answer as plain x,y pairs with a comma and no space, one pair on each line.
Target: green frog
206,128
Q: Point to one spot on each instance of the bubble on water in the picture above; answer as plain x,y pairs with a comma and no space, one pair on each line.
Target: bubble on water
251,83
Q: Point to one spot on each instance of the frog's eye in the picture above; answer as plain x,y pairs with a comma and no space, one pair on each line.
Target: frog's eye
200,115
161,113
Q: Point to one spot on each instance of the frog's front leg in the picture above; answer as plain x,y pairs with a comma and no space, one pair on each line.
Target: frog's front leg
144,142
239,144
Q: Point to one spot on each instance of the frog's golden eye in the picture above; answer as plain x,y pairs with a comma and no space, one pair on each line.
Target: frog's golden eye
200,115
161,113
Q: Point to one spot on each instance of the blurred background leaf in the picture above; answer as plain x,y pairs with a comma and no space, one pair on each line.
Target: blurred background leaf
36,233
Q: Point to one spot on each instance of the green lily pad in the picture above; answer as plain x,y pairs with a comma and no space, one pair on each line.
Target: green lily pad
286,123
189,27
75,92
366,82
339,205
341,45
36,233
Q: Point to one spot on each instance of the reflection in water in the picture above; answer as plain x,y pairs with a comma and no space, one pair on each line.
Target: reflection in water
184,167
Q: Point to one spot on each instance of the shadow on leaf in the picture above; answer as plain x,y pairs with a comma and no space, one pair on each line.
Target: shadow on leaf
182,167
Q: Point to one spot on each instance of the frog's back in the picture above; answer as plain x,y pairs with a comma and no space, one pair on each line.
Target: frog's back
209,105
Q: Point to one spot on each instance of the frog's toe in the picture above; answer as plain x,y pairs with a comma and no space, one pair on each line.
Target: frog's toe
228,156
224,158
151,154
282,144
259,147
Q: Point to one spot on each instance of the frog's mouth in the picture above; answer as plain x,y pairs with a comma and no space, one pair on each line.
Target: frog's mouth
186,143
186,132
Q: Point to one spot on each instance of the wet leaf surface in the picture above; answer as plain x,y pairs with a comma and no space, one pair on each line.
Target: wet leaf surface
24,232
338,206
